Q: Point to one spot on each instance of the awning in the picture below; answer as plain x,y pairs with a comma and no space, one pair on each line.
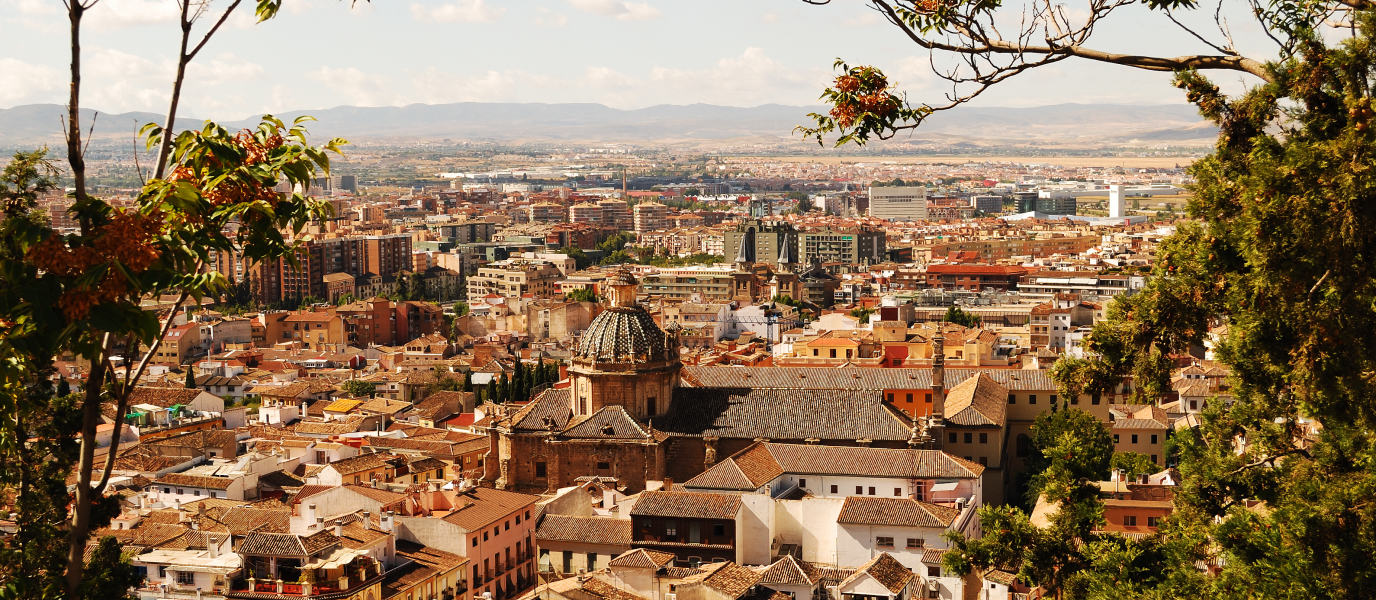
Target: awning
945,487
335,559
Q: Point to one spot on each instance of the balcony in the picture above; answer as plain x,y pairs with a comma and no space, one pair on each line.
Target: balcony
321,589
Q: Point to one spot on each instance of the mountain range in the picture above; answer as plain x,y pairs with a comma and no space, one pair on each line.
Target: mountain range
1062,124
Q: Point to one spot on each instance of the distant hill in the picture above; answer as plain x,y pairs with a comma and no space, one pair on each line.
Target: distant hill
1062,123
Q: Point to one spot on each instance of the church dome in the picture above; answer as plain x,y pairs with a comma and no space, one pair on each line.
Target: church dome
622,334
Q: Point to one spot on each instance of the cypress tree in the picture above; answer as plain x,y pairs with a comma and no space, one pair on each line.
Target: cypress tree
190,378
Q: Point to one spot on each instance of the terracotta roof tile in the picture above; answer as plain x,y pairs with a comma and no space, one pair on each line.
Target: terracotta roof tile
687,504
895,512
591,530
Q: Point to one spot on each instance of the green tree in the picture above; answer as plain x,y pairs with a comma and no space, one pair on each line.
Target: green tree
359,388
461,309
581,295
1048,433
1133,464
955,315
467,381
862,313
581,260
190,378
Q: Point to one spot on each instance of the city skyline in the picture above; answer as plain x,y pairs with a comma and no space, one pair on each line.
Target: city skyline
631,55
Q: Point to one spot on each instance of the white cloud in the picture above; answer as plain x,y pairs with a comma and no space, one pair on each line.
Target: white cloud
225,68
750,79
437,87
621,10
550,18
357,88
118,14
23,83
460,11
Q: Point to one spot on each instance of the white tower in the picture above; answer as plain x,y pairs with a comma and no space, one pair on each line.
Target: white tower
1117,202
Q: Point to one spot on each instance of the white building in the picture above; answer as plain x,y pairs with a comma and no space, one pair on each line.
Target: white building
898,203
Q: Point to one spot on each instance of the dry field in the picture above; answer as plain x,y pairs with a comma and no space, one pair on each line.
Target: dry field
1066,161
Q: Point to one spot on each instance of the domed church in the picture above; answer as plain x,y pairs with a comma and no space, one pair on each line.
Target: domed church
627,418
624,373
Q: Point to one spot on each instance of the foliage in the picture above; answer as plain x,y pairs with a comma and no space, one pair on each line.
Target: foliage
359,388
863,106
786,300
1132,464
955,315
461,309
580,260
190,378
1049,451
862,313
581,295
616,242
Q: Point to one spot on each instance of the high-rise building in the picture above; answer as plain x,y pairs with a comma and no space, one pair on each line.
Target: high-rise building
387,254
898,203
650,216
547,212
616,214
860,245
586,213
987,204
756,241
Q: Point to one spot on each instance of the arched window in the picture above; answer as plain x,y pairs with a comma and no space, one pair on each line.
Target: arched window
1024,445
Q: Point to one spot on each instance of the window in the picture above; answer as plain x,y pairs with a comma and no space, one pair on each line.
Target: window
1093,400
969,438
1115,438
929,398
833,353
650,405
186,577
181,491
671,528
871,490
167,490
890,398
719,529
883,542
1012,399
1130,521
1153,458
196,492
518,519
984,460
1074,399
162,572
506,526
568,561
984,438
484,536
859,490
592,561
934,571
1031,398
602,466
910,398
914,543
897,492
833,489
1153,438
357,480
475,541
1194,405
1153,521
496,532
951,437
933,594
1134,438
802,483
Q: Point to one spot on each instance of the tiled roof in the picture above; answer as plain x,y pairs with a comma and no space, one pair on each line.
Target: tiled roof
895,512
760,463
977,401
363,462
933,556
857,378
622,334
442,405
687,504
241,521
282,544
552,404
785,571
886,570
1139,416
590,530
196,481
432,557
727,578
608,423
383,496
330,428
1000,577
385,406
480,507
783,414
641,558
164,397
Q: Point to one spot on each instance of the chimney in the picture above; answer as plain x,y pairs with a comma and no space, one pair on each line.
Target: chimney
310,512
387,520
367,519
200,509
195,525
213,546
177,504
668,484
320,523
938,373
338,530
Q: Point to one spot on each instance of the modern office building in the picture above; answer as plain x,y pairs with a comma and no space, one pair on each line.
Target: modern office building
898,203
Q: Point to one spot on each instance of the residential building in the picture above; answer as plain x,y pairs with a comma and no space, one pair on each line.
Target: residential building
855,246
650,216
514,278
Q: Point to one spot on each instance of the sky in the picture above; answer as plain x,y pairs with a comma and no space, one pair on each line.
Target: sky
622,53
